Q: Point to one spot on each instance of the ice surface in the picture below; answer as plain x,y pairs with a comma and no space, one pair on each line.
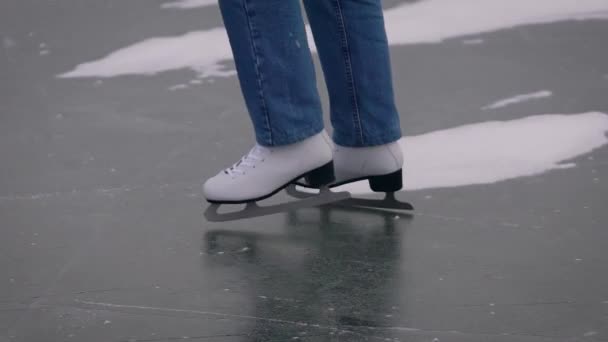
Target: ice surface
178,87
490,152
8,43
187,4
473,41
518,99
429,21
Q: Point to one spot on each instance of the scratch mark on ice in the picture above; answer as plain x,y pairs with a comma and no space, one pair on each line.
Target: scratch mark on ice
519,99
473,41
226,315
188,4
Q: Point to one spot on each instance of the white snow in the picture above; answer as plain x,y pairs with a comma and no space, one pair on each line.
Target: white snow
433,21
187,4
203,51
490,152
429,21
518,99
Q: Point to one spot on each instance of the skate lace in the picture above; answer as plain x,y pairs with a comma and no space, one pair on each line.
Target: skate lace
257,154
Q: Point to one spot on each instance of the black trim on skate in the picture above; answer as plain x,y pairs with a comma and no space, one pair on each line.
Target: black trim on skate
322,175
390,182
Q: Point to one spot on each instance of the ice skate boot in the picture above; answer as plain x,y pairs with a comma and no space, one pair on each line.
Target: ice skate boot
381,166
264,171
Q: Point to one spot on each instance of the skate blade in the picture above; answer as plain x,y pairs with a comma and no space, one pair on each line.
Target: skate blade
388,202
252,209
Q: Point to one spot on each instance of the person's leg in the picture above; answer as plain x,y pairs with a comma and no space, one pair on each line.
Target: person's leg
275,68
277,79
353,48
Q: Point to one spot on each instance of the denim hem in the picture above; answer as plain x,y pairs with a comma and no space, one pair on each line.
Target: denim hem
348,140
280,140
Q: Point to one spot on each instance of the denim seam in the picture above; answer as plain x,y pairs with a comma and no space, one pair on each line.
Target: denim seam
349,70
260,76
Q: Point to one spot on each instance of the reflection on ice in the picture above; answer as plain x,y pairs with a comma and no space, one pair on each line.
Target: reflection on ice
428,21
490,152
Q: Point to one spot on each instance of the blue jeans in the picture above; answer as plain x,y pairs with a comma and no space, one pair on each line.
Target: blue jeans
277,75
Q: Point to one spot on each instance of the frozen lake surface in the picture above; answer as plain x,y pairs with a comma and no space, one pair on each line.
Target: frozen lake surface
112,113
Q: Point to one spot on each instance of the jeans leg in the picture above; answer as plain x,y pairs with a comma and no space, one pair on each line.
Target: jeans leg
353,48
275,68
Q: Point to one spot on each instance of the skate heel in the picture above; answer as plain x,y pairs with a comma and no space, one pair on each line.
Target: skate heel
387,183
321,176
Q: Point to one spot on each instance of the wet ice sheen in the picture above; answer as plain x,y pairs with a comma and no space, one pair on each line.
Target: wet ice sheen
429,21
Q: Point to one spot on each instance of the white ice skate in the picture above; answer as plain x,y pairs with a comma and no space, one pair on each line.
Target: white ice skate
264,171
380,165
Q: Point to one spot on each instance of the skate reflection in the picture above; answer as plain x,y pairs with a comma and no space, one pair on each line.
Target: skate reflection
334,272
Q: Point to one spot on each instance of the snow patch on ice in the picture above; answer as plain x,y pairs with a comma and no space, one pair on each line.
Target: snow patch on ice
154,55
518,99
429,21
433,21
188,4
490,152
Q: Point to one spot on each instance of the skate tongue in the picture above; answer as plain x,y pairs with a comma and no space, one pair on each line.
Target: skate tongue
259,150
256,154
